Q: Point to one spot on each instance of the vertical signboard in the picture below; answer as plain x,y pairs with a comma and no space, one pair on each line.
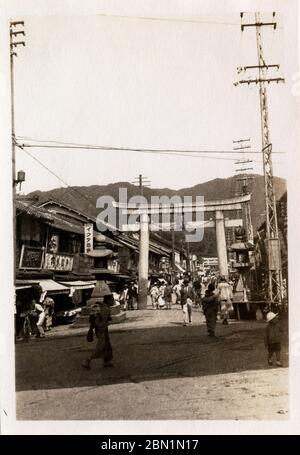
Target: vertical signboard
53,243
88,238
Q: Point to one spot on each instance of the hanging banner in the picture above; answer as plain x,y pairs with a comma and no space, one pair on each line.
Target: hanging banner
88,238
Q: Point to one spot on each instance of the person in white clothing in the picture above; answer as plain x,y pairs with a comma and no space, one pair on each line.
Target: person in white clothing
154,293
224,292
177,290
41,318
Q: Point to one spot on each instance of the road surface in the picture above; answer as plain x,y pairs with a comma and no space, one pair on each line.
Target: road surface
162,370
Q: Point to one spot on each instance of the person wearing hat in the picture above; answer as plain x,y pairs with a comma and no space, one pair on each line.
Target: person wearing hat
273,338
99,320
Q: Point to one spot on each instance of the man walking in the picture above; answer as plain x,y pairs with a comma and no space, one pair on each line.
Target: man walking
187,299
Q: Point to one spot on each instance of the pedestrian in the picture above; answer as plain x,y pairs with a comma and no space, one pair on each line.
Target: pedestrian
39,309
187,299
273,338
197,288
123,297
99,320
177,290
224,292
132,294
49,310
168,295
210,305
154,293
161,303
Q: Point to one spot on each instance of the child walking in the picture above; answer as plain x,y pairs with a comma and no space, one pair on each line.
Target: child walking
273,338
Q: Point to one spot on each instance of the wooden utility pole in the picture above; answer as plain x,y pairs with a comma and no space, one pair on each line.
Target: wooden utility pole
142,182
14,32
272,238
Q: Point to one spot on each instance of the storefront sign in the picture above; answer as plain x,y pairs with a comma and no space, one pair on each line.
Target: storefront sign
31,258
88,238
62,262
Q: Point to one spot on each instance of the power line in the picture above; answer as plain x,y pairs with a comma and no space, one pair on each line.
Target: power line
166,19
70,145
178,153
55,175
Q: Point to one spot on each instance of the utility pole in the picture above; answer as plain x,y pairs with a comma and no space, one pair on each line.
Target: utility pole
173,247
242,182
272,238
14,32
187,246
141,182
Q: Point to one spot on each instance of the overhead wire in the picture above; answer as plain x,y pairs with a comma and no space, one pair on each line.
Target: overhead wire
167,19
56,175
70,145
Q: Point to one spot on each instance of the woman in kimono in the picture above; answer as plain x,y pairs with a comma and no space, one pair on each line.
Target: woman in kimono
99,321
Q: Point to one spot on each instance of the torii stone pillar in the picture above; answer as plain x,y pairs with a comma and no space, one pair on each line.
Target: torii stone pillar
143,261
221,243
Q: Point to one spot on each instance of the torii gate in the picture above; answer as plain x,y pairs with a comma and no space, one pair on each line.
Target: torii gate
143,226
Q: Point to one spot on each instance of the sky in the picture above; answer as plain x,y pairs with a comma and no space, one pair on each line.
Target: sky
159,78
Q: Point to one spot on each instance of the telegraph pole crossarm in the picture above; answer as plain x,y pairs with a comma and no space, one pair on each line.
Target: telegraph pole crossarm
258,80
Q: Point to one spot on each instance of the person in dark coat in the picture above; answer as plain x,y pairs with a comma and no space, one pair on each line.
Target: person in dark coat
210,304
99,324
273,338
197,288
132,294
168,295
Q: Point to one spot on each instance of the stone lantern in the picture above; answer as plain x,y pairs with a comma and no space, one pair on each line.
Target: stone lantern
242,263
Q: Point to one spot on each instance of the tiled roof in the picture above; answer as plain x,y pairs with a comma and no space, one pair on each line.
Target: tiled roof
32,210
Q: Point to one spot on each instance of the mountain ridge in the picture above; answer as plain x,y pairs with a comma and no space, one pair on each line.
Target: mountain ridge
83,198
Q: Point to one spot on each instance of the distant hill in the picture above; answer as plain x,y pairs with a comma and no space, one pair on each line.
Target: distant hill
84,198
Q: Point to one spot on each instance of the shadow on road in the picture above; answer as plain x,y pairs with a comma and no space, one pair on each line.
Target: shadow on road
140,355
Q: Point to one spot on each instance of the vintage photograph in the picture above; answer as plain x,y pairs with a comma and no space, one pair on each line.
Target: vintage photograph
150,151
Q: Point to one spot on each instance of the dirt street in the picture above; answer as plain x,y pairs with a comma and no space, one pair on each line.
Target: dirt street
162,370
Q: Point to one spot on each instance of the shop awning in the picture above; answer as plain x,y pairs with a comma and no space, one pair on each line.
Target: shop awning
78,285
51,286
101,253
23,286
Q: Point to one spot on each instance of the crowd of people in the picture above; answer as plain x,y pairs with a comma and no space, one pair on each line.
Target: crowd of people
212,294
